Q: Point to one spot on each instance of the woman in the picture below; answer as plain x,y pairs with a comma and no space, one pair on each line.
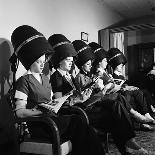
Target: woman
63,84
150,77
140,98
33,89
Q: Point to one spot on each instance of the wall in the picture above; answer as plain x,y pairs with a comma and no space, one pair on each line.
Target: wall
140,36
69,17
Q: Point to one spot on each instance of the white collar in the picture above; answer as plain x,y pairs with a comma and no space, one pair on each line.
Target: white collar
62,72
117,73
29,72
101,70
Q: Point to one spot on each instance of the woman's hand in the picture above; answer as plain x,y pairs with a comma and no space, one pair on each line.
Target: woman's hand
130,88
99,84
52,102
22,112
109,88
86,94
116,88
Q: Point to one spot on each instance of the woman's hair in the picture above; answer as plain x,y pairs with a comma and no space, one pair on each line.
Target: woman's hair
95,65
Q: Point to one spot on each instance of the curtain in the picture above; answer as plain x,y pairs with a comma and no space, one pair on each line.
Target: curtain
117,41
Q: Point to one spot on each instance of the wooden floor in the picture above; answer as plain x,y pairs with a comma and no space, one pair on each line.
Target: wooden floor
145,138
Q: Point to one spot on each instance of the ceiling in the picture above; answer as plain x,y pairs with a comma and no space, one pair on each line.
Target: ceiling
129,9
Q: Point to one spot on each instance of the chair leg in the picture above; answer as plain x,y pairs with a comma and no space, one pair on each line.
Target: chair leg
105,137
107,143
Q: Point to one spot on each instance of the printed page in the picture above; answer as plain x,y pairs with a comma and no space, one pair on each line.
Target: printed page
119,81
55,105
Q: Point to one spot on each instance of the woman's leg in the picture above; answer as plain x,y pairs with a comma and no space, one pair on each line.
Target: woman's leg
72,127
83,137
110,116
121,126
149,100
137,101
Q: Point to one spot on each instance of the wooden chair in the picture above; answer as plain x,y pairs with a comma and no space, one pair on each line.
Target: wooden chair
103,135
39,146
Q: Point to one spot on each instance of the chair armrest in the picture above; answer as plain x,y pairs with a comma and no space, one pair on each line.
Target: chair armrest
74,110
52,127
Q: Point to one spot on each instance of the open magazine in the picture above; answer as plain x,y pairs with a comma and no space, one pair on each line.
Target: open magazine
54,105
119,81
116,87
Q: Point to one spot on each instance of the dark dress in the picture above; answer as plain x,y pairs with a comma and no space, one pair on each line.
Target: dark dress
139,99
150,80
111,117
71,127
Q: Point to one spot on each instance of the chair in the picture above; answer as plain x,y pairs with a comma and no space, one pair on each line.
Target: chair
103,135
39,146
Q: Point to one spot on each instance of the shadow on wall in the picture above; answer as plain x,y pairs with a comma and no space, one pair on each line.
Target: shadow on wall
7,130
5,71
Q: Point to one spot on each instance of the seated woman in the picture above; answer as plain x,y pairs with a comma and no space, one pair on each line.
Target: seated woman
100,65
114,118
33,89
150,77
141,99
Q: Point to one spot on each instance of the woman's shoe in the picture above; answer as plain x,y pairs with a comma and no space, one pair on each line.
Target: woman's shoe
140,151
147,115
139,117
153,108
132,147
147,127
152,123
131,143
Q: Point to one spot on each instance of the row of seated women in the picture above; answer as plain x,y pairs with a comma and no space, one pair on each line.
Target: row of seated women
107,104
110,111
140,99
99,114
150,79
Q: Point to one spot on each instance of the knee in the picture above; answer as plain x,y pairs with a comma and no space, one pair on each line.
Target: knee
79,120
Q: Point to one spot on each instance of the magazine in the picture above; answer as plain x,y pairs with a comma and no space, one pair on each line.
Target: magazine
119,81
116,87
54,105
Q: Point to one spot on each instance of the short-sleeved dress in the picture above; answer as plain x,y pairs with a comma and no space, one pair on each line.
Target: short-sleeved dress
30,89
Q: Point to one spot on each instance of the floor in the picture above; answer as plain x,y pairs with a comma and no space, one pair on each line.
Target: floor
145,138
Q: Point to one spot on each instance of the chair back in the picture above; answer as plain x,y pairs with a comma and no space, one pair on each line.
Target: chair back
21,127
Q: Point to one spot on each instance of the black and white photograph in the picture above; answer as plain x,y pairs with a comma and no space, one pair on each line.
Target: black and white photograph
77,77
